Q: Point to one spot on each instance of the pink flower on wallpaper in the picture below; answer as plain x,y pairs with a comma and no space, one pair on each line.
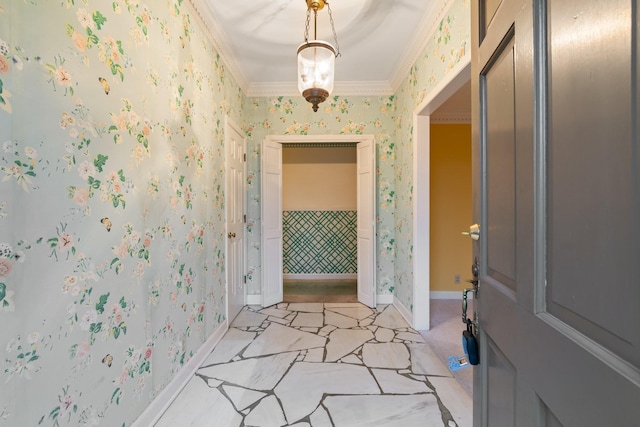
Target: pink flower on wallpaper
5,267
84,17
79,41
65,242
81,196
147,353
63,78
4,65
86,169
147,241
83,350
120,121
120,251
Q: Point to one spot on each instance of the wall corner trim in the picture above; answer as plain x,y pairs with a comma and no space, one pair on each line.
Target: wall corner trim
404,311
152,414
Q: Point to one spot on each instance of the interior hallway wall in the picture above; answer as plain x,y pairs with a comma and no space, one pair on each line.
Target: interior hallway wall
346,115
450,206
111,205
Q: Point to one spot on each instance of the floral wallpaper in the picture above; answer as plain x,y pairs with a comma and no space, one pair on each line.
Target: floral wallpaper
111,205
112,195
446,47
351,115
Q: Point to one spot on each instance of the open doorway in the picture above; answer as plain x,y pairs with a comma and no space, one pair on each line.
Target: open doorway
420,318
272,213
319,222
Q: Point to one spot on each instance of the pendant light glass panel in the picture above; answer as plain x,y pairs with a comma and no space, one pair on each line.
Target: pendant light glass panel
316,61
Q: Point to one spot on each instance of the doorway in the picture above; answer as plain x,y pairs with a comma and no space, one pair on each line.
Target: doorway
272,213
420,317
319,202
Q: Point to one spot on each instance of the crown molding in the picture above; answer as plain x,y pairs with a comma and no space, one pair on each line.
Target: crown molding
218,38
220,42
340,88
426,29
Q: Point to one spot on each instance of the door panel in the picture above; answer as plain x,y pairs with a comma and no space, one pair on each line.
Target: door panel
366,223
499,85
235,145
501,392
271,202
590,243
557,196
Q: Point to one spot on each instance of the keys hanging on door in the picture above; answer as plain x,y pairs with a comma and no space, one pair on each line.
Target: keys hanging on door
469,341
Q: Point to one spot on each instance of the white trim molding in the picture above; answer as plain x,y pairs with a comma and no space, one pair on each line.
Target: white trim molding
163,400
445,294
404,311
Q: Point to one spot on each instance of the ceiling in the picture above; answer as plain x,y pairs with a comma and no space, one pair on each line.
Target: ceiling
379,41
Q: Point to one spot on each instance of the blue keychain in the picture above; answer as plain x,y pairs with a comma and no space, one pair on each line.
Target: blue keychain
470,345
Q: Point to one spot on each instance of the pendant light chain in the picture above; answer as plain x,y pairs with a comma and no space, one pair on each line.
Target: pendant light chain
333,28
306,26
315,17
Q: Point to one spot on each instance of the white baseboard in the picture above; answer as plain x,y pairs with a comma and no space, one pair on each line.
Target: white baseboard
445,294
384,299
404,311
163,400
254,299
320,276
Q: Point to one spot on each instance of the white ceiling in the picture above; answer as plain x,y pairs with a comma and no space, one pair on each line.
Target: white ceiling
379,41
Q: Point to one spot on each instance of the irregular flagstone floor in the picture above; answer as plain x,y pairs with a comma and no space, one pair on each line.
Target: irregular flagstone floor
321,365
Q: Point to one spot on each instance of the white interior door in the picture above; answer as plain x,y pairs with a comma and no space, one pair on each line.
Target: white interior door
366,222
271,202
235,191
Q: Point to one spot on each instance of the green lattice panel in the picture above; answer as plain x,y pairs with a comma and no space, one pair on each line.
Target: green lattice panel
320,242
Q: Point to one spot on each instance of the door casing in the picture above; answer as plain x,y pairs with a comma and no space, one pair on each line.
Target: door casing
271,286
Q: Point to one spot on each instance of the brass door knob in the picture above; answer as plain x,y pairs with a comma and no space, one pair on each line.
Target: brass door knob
474,232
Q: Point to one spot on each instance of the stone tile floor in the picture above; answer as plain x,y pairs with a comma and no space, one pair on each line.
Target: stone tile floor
315,364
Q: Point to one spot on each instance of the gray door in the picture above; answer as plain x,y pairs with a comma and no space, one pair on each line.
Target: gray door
557,195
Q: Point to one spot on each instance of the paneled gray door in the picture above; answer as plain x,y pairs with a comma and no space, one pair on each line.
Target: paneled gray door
556,100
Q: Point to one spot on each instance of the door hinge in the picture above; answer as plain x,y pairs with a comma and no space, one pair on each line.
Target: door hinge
245,279
244,157
244,218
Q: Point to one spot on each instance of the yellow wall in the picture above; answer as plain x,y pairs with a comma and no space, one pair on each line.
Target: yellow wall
319,179
450,206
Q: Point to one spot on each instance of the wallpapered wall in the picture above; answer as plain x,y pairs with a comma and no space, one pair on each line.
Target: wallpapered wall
444,50
347,115
112,220
111,195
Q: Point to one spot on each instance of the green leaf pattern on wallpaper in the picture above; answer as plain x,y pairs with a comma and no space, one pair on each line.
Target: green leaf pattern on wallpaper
111,204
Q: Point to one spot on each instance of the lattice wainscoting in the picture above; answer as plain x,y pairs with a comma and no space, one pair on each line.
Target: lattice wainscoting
320,242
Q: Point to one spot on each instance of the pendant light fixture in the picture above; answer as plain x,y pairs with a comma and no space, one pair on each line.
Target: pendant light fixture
316,59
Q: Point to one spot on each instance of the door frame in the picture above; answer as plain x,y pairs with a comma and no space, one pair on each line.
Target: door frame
229,123
453,81
309,139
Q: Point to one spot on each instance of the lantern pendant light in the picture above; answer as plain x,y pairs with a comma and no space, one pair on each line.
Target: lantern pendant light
316,59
